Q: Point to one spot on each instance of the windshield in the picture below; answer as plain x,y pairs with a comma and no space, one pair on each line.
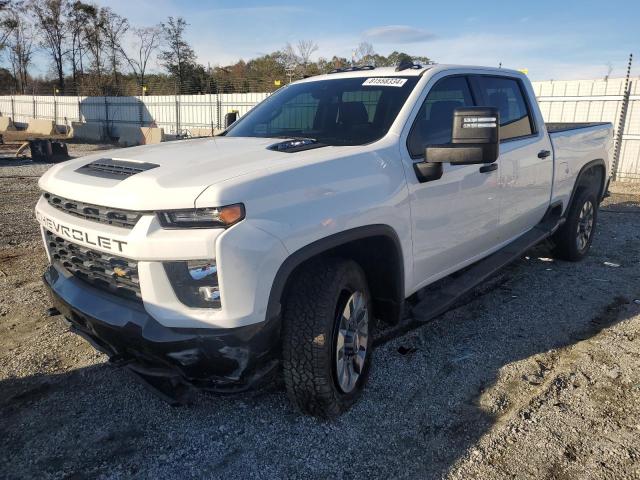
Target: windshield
341,111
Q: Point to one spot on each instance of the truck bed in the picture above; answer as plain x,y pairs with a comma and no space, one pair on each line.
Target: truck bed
574,146
555,127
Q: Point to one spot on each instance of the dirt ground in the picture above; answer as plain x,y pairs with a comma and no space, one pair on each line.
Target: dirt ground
536,375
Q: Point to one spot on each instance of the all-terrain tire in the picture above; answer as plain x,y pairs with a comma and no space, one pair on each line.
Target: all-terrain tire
568,245
311,316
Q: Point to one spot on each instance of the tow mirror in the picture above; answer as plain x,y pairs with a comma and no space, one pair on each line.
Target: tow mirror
475,138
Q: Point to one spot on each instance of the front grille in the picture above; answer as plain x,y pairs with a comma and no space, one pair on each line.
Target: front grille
115,169
105,271
95,213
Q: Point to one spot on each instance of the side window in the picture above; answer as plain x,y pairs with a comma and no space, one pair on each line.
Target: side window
506,95
433,124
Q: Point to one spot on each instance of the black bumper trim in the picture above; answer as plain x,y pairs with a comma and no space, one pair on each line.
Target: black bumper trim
222,360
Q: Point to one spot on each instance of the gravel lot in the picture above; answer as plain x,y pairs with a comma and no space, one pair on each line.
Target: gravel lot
535,375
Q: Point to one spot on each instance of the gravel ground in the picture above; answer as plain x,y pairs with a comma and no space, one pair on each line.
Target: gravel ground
535,375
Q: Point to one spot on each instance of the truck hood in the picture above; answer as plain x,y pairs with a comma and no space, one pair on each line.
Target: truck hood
183,170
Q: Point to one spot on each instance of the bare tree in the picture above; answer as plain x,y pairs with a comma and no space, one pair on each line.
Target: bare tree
52,24
290,60
145,42
364,54
114,27
178,56
20,45
79,17
6,23
306,48
609,70
94,40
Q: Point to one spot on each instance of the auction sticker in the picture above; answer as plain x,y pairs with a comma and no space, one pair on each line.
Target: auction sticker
385,82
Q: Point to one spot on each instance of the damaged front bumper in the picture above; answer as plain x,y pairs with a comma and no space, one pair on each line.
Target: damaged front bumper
169,360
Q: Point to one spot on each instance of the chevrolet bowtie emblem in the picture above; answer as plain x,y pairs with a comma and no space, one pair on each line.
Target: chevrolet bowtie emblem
119,271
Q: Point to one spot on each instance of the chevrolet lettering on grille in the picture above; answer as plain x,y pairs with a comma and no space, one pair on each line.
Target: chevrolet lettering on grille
78,235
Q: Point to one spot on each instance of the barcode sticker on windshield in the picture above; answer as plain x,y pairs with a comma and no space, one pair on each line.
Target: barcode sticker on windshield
384,82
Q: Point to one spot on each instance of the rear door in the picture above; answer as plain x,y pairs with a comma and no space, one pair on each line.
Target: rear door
454,218
525,165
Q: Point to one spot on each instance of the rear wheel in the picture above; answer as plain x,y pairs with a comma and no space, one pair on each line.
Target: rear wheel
327,320
574,238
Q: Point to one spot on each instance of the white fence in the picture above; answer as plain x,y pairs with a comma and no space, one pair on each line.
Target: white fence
597,101
560,101
177,114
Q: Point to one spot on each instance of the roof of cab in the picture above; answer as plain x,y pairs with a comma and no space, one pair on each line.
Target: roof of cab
415,71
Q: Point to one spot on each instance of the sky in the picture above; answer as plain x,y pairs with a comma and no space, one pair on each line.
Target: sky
553,39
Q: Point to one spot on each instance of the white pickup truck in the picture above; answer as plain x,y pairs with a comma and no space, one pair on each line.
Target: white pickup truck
274,249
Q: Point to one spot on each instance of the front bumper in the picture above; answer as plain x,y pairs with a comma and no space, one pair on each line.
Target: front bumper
168,359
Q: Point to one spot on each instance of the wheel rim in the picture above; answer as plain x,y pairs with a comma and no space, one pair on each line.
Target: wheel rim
585,225
352,342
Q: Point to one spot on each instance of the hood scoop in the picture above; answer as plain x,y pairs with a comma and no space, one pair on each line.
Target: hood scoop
114,169
296,145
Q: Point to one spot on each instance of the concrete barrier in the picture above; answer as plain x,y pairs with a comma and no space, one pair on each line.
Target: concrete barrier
40,126
87,131
200,132
6,124
130,135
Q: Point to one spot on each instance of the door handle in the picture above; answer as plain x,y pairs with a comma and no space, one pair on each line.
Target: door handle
544,153
488,168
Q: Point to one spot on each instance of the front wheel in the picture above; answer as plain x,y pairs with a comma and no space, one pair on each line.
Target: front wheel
574,238
327,342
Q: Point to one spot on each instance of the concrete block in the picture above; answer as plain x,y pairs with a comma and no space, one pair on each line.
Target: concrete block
6,124
91,131
130,135
200,132
40,126
152,135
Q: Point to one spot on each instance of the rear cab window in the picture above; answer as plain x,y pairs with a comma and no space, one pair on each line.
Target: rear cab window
507,95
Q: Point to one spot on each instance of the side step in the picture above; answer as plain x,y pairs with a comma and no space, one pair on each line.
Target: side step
439,301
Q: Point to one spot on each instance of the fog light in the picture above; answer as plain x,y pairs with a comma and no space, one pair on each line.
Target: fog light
195,282
210,294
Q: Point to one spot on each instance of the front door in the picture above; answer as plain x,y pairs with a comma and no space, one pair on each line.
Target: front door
454,219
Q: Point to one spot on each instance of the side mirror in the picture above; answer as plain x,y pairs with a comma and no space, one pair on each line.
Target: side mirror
475,138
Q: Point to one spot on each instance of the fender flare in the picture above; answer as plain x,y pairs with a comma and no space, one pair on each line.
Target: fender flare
601,188
325,244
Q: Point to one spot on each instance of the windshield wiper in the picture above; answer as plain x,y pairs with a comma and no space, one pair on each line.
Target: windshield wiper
293,137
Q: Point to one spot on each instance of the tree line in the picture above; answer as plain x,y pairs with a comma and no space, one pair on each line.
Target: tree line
94,50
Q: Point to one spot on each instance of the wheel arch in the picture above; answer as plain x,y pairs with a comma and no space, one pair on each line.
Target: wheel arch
368,246
595,168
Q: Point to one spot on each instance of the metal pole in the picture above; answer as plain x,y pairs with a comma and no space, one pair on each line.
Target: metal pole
106,116
55,109
622,122
33,99
177,115
13,109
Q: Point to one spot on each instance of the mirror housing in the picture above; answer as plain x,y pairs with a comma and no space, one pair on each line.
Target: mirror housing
475,138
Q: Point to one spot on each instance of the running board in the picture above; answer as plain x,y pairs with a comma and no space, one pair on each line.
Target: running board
439,301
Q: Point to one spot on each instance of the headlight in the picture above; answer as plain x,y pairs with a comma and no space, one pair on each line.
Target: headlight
195,282
202,217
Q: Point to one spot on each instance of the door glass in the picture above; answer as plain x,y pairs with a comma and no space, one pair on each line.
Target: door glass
433,125
506,95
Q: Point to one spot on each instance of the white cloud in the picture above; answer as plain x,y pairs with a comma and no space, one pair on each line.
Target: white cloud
397,34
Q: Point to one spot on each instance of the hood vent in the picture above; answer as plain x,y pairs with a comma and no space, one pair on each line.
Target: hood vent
296,145
114,169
